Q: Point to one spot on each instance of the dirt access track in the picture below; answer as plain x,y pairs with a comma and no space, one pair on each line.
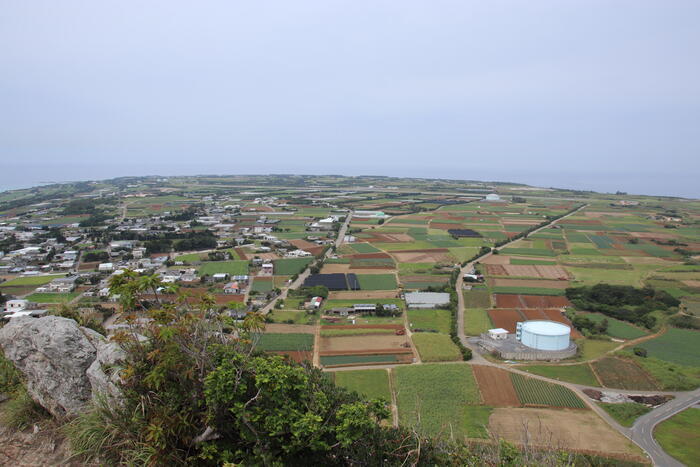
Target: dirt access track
579,430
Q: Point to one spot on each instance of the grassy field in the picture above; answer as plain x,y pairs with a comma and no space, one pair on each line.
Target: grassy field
528,252
537,392
617,328
434,347
623,374
680,436
296,317
234,268
377,281
437,320
272,341
373,384
261,286
681,346
532,262
31,280
578,374
594,348
477,298
669,376
52,297
189,258
290,266
437,406
625,414
363,248
350,359
476,321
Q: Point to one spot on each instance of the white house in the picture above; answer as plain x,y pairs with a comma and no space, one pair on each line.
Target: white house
498,333
106,267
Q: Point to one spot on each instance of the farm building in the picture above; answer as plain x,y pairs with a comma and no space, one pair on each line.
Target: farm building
426,299
543,335
493,197
232,288
364,308
267,269
106,267
498,333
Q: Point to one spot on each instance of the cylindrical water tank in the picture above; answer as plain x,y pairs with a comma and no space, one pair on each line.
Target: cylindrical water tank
545,335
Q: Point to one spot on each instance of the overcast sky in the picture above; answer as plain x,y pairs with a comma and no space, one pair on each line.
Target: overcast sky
592,94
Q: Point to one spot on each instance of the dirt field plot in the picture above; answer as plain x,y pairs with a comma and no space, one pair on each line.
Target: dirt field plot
335,268
623,374
363,344
559,429
437,255
534,314
496,388
505,318
545,272
279,328
544,301
361,295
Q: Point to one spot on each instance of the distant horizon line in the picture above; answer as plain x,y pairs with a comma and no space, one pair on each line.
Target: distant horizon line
30,185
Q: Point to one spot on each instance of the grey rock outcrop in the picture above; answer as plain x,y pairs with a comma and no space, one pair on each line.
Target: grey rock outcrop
62,362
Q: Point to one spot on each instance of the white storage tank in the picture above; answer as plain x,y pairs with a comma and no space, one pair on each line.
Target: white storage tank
545,335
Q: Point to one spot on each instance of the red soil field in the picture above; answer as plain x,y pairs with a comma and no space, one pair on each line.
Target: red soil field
495,386
368,256
505,319
508,301
241,253
533,314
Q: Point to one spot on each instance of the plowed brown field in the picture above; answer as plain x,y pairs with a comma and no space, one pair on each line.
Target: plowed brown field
505,319
495,386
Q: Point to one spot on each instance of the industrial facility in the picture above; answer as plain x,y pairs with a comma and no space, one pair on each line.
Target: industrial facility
533,340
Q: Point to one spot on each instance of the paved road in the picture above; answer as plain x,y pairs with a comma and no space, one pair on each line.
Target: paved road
302,277
642,432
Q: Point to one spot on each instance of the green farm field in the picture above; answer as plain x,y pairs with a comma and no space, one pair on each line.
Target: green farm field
274,341
476,321
31,280
441,406
373,384
236,267
436,320
681,346
377,281
577,374
290,266
435,347
616,327
532,391
52,297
